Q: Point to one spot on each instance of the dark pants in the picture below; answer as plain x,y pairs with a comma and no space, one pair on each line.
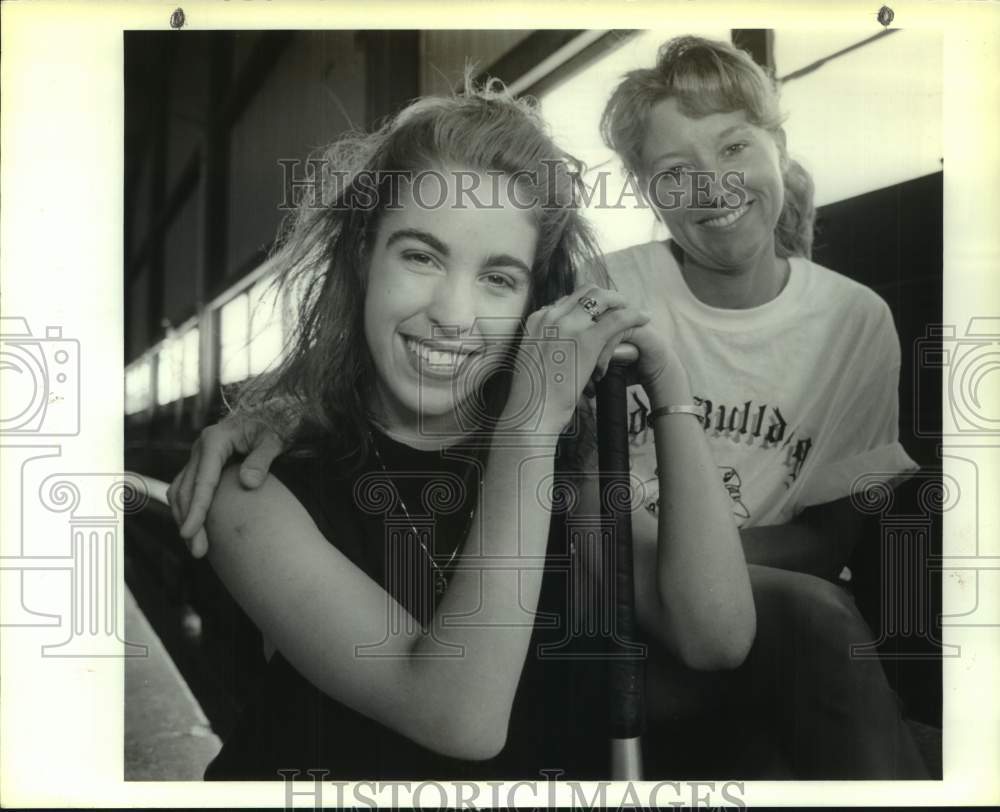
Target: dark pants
800,706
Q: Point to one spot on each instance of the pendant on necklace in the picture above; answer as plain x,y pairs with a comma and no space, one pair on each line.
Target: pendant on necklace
440,583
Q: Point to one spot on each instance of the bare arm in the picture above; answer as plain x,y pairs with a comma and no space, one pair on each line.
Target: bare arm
316,607
692,586
191,491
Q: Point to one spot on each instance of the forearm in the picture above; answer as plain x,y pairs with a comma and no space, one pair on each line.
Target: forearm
703,584
494,591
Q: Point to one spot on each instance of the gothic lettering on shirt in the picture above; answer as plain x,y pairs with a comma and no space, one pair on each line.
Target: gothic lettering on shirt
749,423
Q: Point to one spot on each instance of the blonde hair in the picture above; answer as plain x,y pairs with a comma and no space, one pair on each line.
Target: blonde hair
708,77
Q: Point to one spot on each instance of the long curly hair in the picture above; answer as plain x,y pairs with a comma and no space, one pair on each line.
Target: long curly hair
325,381
706,77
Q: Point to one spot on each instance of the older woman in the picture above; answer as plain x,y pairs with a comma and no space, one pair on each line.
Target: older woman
796,369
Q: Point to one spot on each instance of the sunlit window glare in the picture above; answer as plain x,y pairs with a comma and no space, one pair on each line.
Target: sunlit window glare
189,367
138,387
234,325
169,363
266,333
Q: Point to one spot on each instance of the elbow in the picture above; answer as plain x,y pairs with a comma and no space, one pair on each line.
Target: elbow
469,725
720,650
714,658
472,739
486,746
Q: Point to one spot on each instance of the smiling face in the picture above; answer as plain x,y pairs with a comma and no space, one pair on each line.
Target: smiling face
719,143
446,290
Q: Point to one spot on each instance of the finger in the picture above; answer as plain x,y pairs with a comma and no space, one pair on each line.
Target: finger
198,545
185,482
254,469
580,315
172,499
569,303
216,450
610,298
531,324
617,350
604,359
616,322
606,300
562,307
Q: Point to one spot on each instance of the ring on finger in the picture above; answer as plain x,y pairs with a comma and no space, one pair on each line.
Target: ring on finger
592,306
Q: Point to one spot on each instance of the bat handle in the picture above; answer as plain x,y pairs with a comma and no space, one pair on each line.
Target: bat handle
625,353
625,666
626,759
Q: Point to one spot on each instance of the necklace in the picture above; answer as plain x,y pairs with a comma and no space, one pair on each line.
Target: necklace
440,573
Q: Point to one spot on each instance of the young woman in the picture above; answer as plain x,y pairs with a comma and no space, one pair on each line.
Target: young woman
394,561
796,369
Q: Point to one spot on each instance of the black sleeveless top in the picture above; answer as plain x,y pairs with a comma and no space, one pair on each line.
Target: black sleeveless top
559,718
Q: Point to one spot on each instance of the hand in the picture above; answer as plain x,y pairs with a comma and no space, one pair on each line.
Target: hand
565,343
192,490
659,368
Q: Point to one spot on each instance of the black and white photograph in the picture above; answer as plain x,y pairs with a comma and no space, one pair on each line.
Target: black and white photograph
562,416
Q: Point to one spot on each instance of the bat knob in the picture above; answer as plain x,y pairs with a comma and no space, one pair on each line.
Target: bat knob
625,354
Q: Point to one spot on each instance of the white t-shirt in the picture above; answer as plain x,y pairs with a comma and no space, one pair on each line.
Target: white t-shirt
800,393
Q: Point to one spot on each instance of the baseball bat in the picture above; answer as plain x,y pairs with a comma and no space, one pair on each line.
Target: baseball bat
625,663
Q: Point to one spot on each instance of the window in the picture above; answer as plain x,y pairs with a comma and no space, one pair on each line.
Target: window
168,372
251,332
266,333
189,366
881,131
138,386
177,367
234,325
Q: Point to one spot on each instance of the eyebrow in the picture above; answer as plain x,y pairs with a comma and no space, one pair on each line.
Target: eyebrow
492,261
665,156
730,130
416,234
735,128
507,261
